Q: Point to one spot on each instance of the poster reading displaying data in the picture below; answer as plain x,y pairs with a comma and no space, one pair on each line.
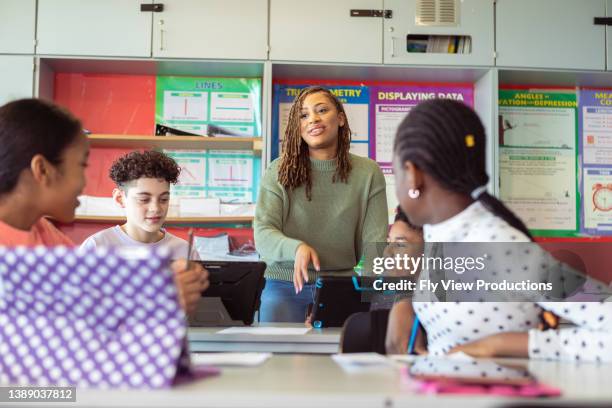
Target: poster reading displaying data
355,99
538,159
391,103
596,151
209,106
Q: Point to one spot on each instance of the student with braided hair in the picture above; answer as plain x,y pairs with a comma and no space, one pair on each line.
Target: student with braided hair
439,164
318,206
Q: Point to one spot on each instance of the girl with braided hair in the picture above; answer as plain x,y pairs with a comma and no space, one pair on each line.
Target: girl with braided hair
318,205
439,163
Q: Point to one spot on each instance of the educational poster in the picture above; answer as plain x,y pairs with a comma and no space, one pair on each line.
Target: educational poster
209,106
355,99
597,201
596,152
537,159
392,201
391,103
230,175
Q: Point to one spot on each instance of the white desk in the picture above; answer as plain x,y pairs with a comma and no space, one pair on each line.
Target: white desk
316,381
316,341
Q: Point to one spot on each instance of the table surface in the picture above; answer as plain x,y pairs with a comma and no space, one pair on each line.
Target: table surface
317,381
318,341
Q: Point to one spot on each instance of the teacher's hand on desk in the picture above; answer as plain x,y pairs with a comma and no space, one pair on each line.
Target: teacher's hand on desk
190,281
304,256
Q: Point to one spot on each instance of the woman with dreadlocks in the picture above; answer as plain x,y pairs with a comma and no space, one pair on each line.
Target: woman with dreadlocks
318,205
439,166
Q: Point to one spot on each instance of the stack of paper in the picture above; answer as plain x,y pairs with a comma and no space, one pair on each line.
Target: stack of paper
199,207
99,206
266,331
230,359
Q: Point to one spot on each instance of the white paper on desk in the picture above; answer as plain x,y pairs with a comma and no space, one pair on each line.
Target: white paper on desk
230,359
199,207
267,331
403,358
361,362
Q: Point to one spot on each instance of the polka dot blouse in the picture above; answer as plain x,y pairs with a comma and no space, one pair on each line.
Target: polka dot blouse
449,324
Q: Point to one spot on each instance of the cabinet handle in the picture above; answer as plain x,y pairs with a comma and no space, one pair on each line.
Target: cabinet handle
161,35
392,53
156,7
603,21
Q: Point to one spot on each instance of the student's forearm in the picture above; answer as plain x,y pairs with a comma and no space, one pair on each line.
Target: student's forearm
513,344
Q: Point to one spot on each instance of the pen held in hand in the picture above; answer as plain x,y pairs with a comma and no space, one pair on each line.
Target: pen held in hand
189,248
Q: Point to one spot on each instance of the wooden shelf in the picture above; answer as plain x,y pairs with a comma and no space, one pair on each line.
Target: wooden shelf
182,220
176,142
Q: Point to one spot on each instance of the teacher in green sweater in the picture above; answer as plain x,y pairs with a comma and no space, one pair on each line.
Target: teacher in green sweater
318,206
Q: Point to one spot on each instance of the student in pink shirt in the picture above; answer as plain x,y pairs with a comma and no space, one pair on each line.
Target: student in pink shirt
43,155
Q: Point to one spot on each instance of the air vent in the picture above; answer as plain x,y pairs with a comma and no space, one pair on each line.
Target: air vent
437,13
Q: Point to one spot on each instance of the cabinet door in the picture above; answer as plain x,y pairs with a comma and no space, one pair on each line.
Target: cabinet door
106,28
224,29
550,34
323,30
17,79
469,18
17,28
609,34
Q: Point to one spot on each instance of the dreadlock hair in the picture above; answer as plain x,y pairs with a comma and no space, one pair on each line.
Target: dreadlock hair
446,139
294,168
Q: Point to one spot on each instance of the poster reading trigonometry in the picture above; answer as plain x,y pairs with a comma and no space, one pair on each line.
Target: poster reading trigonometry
537,159
209,106
355,99
596,149
391,103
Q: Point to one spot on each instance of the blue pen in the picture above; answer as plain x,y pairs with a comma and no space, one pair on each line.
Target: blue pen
413,334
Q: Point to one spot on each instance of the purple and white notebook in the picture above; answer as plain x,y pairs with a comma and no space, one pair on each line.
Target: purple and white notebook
104,319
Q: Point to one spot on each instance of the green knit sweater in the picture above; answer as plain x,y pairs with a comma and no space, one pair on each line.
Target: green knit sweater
337,222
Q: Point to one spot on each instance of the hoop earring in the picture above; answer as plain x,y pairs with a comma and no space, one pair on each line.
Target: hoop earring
414,193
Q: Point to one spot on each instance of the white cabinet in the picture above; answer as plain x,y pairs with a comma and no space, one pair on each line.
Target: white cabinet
609,36
17,79
467,20
88,27
223,29
550,34
324,31
17,28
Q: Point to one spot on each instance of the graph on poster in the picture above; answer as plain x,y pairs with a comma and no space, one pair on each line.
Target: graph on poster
185,106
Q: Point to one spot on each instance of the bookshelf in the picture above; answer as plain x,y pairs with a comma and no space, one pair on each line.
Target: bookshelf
176,142
169,220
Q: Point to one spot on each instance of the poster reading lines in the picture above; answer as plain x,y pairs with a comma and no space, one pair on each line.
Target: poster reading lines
209,106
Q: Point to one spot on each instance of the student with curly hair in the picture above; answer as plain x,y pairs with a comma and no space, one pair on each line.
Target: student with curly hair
143,189
317,207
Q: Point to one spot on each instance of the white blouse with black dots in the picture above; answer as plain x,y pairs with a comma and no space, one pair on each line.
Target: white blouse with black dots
449,324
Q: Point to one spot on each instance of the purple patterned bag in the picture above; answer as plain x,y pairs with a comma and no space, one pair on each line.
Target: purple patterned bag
106,319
